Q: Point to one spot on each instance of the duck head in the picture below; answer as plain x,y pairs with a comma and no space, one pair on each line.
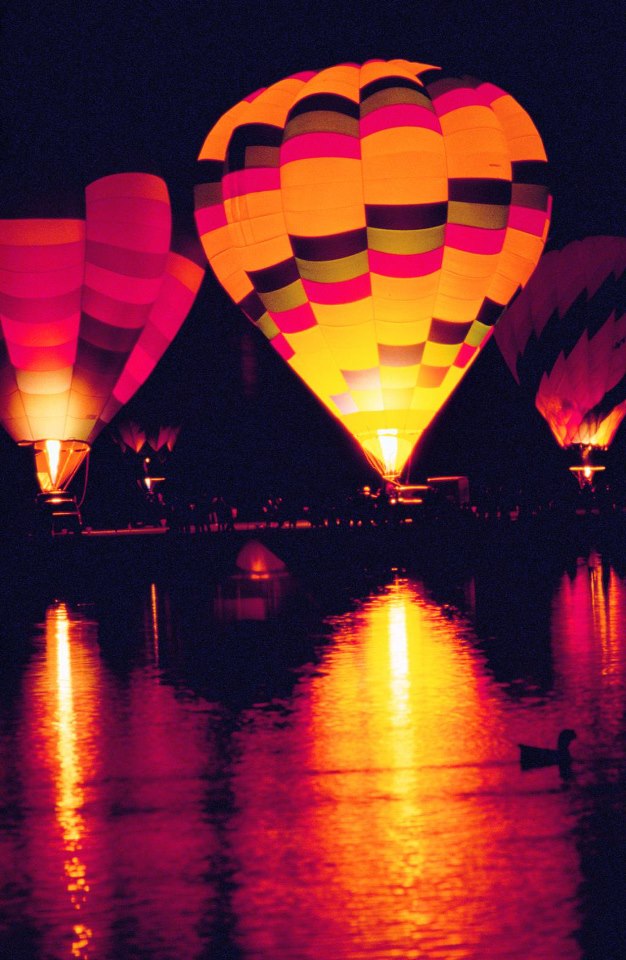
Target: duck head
565,738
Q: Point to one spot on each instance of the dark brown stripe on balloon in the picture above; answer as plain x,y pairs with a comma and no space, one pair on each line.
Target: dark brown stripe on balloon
324,101
442,331
334,247
252,306
250,135
276,277
390,83
489,312
479,190
406,217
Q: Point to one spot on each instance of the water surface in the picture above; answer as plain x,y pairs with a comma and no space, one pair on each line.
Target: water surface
278,770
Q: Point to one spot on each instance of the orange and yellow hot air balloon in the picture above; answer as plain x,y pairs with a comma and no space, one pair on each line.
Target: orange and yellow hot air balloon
87,308
373,221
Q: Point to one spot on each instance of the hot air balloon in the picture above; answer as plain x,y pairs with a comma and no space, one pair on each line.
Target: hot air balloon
87,308
373,221
149,449
564,340
159,440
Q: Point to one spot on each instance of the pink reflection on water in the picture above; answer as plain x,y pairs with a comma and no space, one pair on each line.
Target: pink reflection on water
385,815
115,839
589,615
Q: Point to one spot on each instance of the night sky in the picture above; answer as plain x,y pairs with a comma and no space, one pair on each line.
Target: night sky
90,89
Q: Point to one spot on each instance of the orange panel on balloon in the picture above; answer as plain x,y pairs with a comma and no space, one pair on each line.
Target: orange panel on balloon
352,199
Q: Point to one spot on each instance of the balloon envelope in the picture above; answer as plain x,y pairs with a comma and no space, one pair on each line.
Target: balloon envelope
87,308
373,221
564,340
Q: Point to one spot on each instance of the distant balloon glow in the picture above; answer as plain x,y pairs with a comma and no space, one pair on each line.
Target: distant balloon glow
87,308
564,340
374,221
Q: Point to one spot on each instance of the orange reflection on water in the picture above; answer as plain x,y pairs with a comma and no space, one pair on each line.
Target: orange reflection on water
383,817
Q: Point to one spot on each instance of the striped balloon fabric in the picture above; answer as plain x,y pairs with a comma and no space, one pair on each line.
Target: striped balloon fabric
373,221
87,308
564,340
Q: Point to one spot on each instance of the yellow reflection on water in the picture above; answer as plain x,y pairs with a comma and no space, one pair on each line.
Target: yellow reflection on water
391,814
154,621
399,656
70,794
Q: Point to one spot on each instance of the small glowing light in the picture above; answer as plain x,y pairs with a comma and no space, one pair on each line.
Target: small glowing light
53,453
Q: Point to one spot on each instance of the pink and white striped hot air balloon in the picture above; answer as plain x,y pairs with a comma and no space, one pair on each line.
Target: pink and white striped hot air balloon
87,309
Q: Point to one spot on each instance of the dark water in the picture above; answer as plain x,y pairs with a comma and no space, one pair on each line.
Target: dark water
283,770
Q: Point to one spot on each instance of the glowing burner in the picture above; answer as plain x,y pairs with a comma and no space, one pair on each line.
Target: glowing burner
585,473
56,462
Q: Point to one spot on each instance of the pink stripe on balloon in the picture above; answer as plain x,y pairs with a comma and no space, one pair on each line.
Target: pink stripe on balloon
127,385
399,115
254,180
164,321
489,92
464,356
135,290
405,264
253,96
294,320
528,220
303,75
210,218
455,100
342,291
313,145
282,347
37,285
53,256
474,239
42,358
39,333
136,371
40,310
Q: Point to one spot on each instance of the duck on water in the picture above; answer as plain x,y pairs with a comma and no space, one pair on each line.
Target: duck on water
533,757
